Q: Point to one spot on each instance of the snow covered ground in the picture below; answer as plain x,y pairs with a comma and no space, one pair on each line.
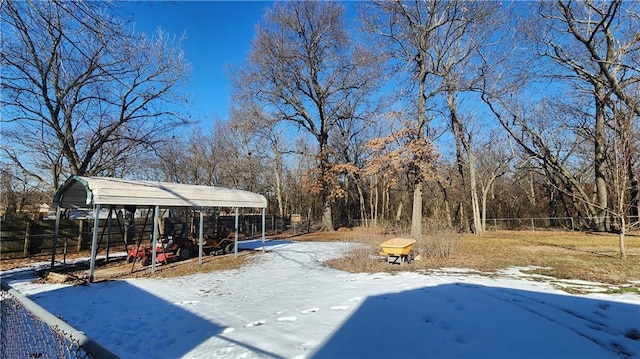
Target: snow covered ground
286,304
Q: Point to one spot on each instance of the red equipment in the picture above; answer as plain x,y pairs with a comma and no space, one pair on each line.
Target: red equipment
179,245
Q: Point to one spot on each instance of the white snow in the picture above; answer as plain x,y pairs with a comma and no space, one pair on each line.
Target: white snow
286,304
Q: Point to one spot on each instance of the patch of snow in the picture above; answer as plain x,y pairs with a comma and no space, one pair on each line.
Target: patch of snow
246,312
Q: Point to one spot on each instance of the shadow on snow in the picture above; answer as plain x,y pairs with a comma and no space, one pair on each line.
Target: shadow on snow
474,321
127,319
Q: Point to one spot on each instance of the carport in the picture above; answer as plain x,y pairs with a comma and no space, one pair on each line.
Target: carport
114,193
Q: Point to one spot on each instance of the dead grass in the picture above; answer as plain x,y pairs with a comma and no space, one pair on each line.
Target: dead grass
569,255
119,268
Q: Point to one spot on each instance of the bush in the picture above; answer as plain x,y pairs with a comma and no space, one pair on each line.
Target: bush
438,245
362,252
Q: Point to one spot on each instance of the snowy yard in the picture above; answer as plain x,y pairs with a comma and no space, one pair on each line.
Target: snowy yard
286,304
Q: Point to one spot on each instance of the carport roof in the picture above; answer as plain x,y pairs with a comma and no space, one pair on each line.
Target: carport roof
85,192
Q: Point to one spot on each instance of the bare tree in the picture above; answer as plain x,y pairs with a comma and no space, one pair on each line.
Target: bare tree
268,141
596,44
405,30
77,83
303,70
432,45
494,161
403,152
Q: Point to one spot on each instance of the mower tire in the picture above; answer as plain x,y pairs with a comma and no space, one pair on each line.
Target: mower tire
228,249
184,253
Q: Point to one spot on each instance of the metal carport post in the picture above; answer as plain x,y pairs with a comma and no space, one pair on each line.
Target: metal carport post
156,234
200,235
94,241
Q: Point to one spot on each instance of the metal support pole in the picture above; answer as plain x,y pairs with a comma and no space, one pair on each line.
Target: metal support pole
55,237
64,250
156,234
263,229
201,235
109,233
235,244
94,241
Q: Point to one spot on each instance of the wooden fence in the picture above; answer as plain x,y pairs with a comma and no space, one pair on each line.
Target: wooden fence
25,238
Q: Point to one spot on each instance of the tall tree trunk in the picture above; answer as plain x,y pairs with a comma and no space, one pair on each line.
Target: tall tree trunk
485,193
463,145
327,218
600,162
400,208
373,206
634,197
363,208
475,205
277,168
447,209
416,215
623,224
532,189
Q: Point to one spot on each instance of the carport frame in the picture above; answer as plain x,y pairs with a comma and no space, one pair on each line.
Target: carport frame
96,192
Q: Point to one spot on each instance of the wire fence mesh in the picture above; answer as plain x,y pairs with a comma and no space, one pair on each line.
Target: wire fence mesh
29,331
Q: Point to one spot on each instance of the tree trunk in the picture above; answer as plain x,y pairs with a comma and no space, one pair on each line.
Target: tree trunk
623,252
376,201
373,206
475,205
327,220
485,193
399,211
363,208
446,205
276,170
532,190
416,215
600,162
463,145
634,200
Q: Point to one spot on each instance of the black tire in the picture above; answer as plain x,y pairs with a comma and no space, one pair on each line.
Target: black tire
146,261
184,253
229,248
130,259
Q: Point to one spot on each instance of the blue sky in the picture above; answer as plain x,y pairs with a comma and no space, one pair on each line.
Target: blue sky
218,34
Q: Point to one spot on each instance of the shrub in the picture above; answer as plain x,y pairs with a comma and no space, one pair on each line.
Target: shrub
438,245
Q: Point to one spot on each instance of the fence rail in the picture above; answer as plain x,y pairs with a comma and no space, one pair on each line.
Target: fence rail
29,331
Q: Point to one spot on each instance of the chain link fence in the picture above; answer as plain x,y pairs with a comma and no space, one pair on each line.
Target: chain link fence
29,331
531,223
